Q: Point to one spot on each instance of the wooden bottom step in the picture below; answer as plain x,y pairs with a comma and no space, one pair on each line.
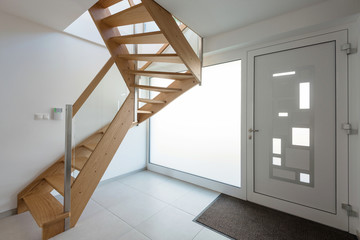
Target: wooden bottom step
44,207
47,212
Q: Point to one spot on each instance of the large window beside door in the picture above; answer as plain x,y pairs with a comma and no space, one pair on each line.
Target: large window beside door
199,133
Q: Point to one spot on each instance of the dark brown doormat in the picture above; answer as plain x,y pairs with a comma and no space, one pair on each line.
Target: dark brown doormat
248,221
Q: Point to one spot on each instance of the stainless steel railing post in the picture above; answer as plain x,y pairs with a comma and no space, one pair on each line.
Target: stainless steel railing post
67,170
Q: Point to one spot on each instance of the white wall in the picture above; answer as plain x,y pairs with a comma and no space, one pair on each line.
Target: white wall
322,18
293,23
40,69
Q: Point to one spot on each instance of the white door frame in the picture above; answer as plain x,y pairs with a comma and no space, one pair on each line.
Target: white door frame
340,219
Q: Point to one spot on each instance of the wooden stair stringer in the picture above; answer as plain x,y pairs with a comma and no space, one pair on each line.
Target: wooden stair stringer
175,37
184,85
91,173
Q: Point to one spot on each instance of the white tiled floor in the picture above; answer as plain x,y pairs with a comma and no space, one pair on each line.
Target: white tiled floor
142,206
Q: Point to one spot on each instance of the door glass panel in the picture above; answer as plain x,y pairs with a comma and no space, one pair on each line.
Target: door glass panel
294,157
301,137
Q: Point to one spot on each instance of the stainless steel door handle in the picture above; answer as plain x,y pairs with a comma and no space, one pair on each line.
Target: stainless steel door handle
253,130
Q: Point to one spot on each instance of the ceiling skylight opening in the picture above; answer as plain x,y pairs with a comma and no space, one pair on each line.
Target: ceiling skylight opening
284,74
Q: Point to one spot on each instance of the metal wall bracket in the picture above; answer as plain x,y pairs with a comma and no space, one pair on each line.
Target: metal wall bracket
347,48
348,128
349,210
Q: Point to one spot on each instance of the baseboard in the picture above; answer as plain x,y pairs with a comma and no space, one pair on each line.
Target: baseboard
8,213
121,176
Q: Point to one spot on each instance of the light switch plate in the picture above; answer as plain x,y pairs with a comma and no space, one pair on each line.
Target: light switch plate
38,116
46,116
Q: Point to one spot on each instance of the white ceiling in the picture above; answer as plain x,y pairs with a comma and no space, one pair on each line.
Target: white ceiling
57,14
206,17
211,17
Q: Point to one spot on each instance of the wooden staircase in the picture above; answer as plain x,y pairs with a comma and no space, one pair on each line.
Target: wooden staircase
95,153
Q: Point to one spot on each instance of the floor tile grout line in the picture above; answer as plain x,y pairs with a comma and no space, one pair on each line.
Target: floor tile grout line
131,226
150,194
169,204
108,210
198,233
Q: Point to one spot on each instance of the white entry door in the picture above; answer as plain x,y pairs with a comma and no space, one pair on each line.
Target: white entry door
297,150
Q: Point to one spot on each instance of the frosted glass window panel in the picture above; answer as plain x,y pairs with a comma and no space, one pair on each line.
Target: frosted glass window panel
276,146
199,133
304,177
276,161
283,74
301,137
304,95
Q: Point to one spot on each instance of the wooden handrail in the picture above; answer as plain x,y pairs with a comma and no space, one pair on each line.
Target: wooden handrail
94,83
162,49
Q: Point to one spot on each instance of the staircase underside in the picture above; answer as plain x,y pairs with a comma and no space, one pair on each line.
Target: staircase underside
94,154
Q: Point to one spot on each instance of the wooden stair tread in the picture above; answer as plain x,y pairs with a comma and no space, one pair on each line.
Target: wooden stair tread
133,15
168,75
92,141
145,112
43,207
108,3
151,101
169,58
142,38
82,154
103,130
57,182
158,89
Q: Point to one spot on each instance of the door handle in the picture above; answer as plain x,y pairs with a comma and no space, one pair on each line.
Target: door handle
253,130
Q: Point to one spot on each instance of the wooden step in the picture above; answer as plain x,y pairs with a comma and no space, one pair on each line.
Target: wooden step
133,15
103,130
142,38
57,182
158,89
82,154
144,112
151,101
169,58
167,75
44,208
108,3
92,141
